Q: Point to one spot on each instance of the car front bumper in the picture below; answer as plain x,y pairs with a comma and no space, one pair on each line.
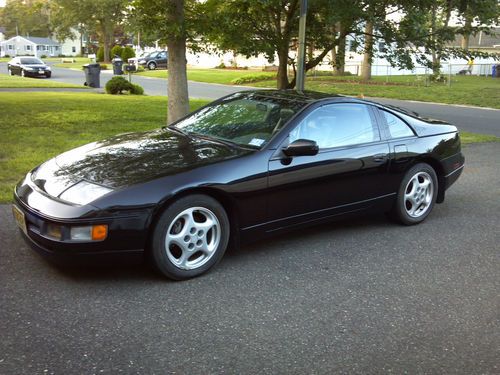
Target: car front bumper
127,230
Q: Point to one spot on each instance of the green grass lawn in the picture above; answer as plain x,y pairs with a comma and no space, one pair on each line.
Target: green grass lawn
468,90
222,76
52,122
78,64
7,81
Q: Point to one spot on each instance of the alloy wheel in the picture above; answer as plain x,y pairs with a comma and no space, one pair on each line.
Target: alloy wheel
418,194
192,238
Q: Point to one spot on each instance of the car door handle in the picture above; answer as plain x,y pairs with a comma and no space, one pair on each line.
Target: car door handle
380,158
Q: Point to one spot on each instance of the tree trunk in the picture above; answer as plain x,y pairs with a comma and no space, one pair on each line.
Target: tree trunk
283,68
436,61
466,34
106,41
178,99
340,58
366,68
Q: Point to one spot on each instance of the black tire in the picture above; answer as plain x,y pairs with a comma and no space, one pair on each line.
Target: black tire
426,199
48,75
165,255
151,66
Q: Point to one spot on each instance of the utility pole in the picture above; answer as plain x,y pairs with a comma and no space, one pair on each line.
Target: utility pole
302,46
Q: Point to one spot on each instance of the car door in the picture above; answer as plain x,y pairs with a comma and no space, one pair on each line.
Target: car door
346,175
162,59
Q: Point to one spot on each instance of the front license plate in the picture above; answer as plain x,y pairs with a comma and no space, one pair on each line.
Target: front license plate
41,72
20,219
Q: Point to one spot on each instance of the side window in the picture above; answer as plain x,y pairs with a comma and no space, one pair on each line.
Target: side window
337,125
397,127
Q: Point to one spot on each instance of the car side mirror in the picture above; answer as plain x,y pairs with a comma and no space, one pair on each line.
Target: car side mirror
301,147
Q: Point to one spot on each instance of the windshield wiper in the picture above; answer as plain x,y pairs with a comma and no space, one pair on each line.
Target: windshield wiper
177,130
225,141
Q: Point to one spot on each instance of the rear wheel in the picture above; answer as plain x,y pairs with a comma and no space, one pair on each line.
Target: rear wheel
190,237
417,195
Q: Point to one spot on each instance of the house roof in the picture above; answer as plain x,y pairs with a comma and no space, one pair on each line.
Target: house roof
43,41
2,29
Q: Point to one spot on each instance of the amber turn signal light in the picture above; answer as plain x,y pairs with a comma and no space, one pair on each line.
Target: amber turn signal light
99,232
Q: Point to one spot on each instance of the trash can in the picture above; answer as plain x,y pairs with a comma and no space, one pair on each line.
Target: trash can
92,75
494,71
497,72
117,66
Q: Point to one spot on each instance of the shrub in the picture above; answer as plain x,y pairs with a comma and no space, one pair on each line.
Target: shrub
136,90
221,66
43,56
117,85
127,53
100,54
255,77
103,66
116,51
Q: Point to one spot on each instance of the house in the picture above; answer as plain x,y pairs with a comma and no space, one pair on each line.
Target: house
35,46
2,33
76,45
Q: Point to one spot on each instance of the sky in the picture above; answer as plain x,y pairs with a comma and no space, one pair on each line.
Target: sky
2,3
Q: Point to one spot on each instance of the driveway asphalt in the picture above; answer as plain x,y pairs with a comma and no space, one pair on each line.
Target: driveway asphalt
362,296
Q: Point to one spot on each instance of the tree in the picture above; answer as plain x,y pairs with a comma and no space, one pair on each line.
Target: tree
23,17
173,20
103,16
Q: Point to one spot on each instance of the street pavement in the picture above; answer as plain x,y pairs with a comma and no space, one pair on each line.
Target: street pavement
472,119
362,296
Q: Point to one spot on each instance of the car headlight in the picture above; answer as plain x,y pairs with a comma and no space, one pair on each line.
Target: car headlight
84,192
142,61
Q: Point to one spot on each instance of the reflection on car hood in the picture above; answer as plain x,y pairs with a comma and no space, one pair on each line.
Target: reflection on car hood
132,158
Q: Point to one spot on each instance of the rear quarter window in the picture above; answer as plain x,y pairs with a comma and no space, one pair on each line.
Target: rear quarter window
397,127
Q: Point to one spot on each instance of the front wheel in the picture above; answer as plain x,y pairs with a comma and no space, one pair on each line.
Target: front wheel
417,195
152,66
190,237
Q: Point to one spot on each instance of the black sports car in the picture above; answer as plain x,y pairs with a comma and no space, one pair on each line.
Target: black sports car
242,167
28,66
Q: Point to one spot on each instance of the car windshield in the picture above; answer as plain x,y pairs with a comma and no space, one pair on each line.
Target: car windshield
30,61
244,119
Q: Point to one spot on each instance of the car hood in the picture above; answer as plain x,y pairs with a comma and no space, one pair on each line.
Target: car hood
130,159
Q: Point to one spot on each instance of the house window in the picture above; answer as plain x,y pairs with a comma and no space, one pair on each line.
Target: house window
11,46
27,47
381,47
56,48
73,49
